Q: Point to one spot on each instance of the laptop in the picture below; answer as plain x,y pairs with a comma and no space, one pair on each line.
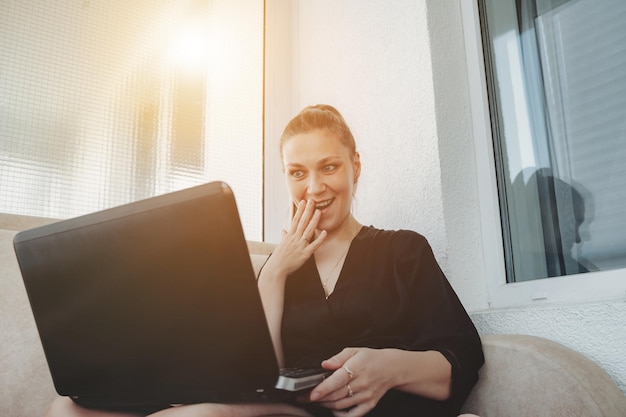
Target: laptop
153,302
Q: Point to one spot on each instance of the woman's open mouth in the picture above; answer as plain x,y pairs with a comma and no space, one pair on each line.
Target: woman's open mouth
324,204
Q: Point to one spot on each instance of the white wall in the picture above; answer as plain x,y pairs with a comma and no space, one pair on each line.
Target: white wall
397,70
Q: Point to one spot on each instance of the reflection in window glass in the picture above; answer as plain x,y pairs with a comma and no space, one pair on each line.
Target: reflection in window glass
105,103
557,90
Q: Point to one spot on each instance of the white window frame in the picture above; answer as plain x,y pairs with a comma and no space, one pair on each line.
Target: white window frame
572,288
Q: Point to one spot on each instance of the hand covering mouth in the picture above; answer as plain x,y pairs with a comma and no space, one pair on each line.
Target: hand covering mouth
323,204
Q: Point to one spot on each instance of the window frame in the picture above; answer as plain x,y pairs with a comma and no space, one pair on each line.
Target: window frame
278,110
571,288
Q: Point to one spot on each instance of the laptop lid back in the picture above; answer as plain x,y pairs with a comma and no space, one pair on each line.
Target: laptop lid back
151,302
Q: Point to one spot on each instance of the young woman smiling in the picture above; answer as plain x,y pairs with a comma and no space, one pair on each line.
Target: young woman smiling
371,305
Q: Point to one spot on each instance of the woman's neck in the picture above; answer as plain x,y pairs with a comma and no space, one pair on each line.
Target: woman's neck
348,229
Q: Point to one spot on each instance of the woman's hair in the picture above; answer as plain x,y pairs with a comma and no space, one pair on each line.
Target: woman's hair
319,116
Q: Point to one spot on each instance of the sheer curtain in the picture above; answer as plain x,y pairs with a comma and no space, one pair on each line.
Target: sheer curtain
102,103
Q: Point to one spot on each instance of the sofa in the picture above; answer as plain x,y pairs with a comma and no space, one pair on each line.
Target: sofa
523,376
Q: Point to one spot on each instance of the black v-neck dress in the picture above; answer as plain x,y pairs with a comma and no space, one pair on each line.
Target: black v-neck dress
390,293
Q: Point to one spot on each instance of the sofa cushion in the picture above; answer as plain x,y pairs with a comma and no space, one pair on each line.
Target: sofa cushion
528,376
257,262
26,387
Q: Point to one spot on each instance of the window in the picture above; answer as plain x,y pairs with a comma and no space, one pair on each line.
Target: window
558,90
549,103
103,104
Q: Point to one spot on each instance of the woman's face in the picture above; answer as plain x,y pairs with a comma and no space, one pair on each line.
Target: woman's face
319,167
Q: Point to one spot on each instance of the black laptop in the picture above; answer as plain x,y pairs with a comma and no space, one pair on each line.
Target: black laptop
153,302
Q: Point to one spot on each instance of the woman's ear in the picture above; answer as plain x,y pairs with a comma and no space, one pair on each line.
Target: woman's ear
357,167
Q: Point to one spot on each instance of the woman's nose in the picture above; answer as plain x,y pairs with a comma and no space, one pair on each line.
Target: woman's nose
316,184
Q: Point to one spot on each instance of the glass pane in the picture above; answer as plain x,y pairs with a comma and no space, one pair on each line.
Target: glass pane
104,103
557,87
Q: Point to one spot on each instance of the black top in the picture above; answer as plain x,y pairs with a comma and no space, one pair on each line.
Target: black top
390,293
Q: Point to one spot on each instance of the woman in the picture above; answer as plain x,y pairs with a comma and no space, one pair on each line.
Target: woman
370,305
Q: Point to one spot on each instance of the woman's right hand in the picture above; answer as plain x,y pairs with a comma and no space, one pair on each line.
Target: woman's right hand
294,249
298,243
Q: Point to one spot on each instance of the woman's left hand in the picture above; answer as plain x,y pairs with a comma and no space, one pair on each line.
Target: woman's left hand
360,378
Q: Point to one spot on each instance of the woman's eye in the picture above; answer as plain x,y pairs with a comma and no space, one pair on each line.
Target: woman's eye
297,174
329,168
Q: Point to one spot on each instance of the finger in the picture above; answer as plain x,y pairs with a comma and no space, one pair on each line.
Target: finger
296,217
318,241
305,219
334,396
344,403
339,360
325,390
309,231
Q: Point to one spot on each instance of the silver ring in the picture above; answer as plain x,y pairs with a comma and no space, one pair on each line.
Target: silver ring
350,374
350,392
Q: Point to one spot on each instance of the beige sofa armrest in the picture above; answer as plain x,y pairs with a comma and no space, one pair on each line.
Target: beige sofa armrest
25,384
528,376
259,251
